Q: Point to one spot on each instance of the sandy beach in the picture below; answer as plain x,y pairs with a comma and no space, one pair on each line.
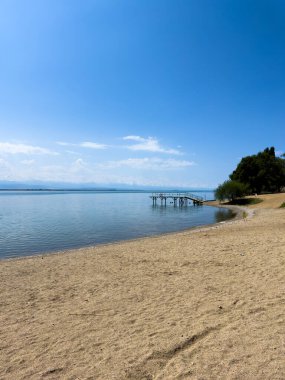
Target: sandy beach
203,304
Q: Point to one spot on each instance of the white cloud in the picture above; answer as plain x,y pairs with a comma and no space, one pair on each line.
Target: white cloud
28,162
63,143
134,138
6,169
78,165
148,163
4,163
149,144
10,148
132,171
85,144
72,152
93,145
77,171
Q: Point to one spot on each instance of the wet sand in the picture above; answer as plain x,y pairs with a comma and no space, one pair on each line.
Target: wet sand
207,303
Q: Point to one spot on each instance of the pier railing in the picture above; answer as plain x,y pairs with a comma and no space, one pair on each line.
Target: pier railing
182,198
178,195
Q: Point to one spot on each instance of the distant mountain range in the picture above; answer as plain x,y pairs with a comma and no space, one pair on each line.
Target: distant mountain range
13,185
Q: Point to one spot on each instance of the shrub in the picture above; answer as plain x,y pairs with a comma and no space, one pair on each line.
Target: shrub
230,190
246,201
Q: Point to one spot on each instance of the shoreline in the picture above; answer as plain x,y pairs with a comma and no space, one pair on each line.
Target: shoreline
205,303
237,210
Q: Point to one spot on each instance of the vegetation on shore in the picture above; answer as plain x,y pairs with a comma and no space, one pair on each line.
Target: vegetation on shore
282,205
260,173
245,201
230,190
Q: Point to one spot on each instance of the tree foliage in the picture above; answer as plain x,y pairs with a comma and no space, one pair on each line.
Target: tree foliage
262,172
230,190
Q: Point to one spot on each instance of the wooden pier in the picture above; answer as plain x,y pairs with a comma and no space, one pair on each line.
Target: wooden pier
181,199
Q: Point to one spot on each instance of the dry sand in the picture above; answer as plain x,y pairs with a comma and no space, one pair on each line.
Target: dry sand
202,304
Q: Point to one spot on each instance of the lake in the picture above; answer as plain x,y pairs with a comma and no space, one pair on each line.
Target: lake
33,222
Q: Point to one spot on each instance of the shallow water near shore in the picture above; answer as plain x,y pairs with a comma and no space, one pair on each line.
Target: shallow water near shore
45,221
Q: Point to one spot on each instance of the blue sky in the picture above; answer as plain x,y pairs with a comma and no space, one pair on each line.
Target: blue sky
164,93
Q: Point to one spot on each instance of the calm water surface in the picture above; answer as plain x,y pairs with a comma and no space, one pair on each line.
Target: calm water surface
37,222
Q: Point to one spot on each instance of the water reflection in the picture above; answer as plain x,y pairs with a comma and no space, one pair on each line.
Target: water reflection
221,215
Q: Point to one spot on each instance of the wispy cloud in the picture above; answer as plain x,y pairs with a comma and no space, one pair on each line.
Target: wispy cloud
9,148
4,163
132,171
63,143
6,169
134,138
92,145
78,165
28,162
73,152
148,163
77,172
84,144
149,144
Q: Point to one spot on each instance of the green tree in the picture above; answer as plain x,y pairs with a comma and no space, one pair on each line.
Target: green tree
262,172
230,190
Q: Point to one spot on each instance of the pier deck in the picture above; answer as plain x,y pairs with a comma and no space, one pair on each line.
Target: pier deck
180,198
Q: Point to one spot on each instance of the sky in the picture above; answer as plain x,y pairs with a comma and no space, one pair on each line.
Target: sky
145,93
